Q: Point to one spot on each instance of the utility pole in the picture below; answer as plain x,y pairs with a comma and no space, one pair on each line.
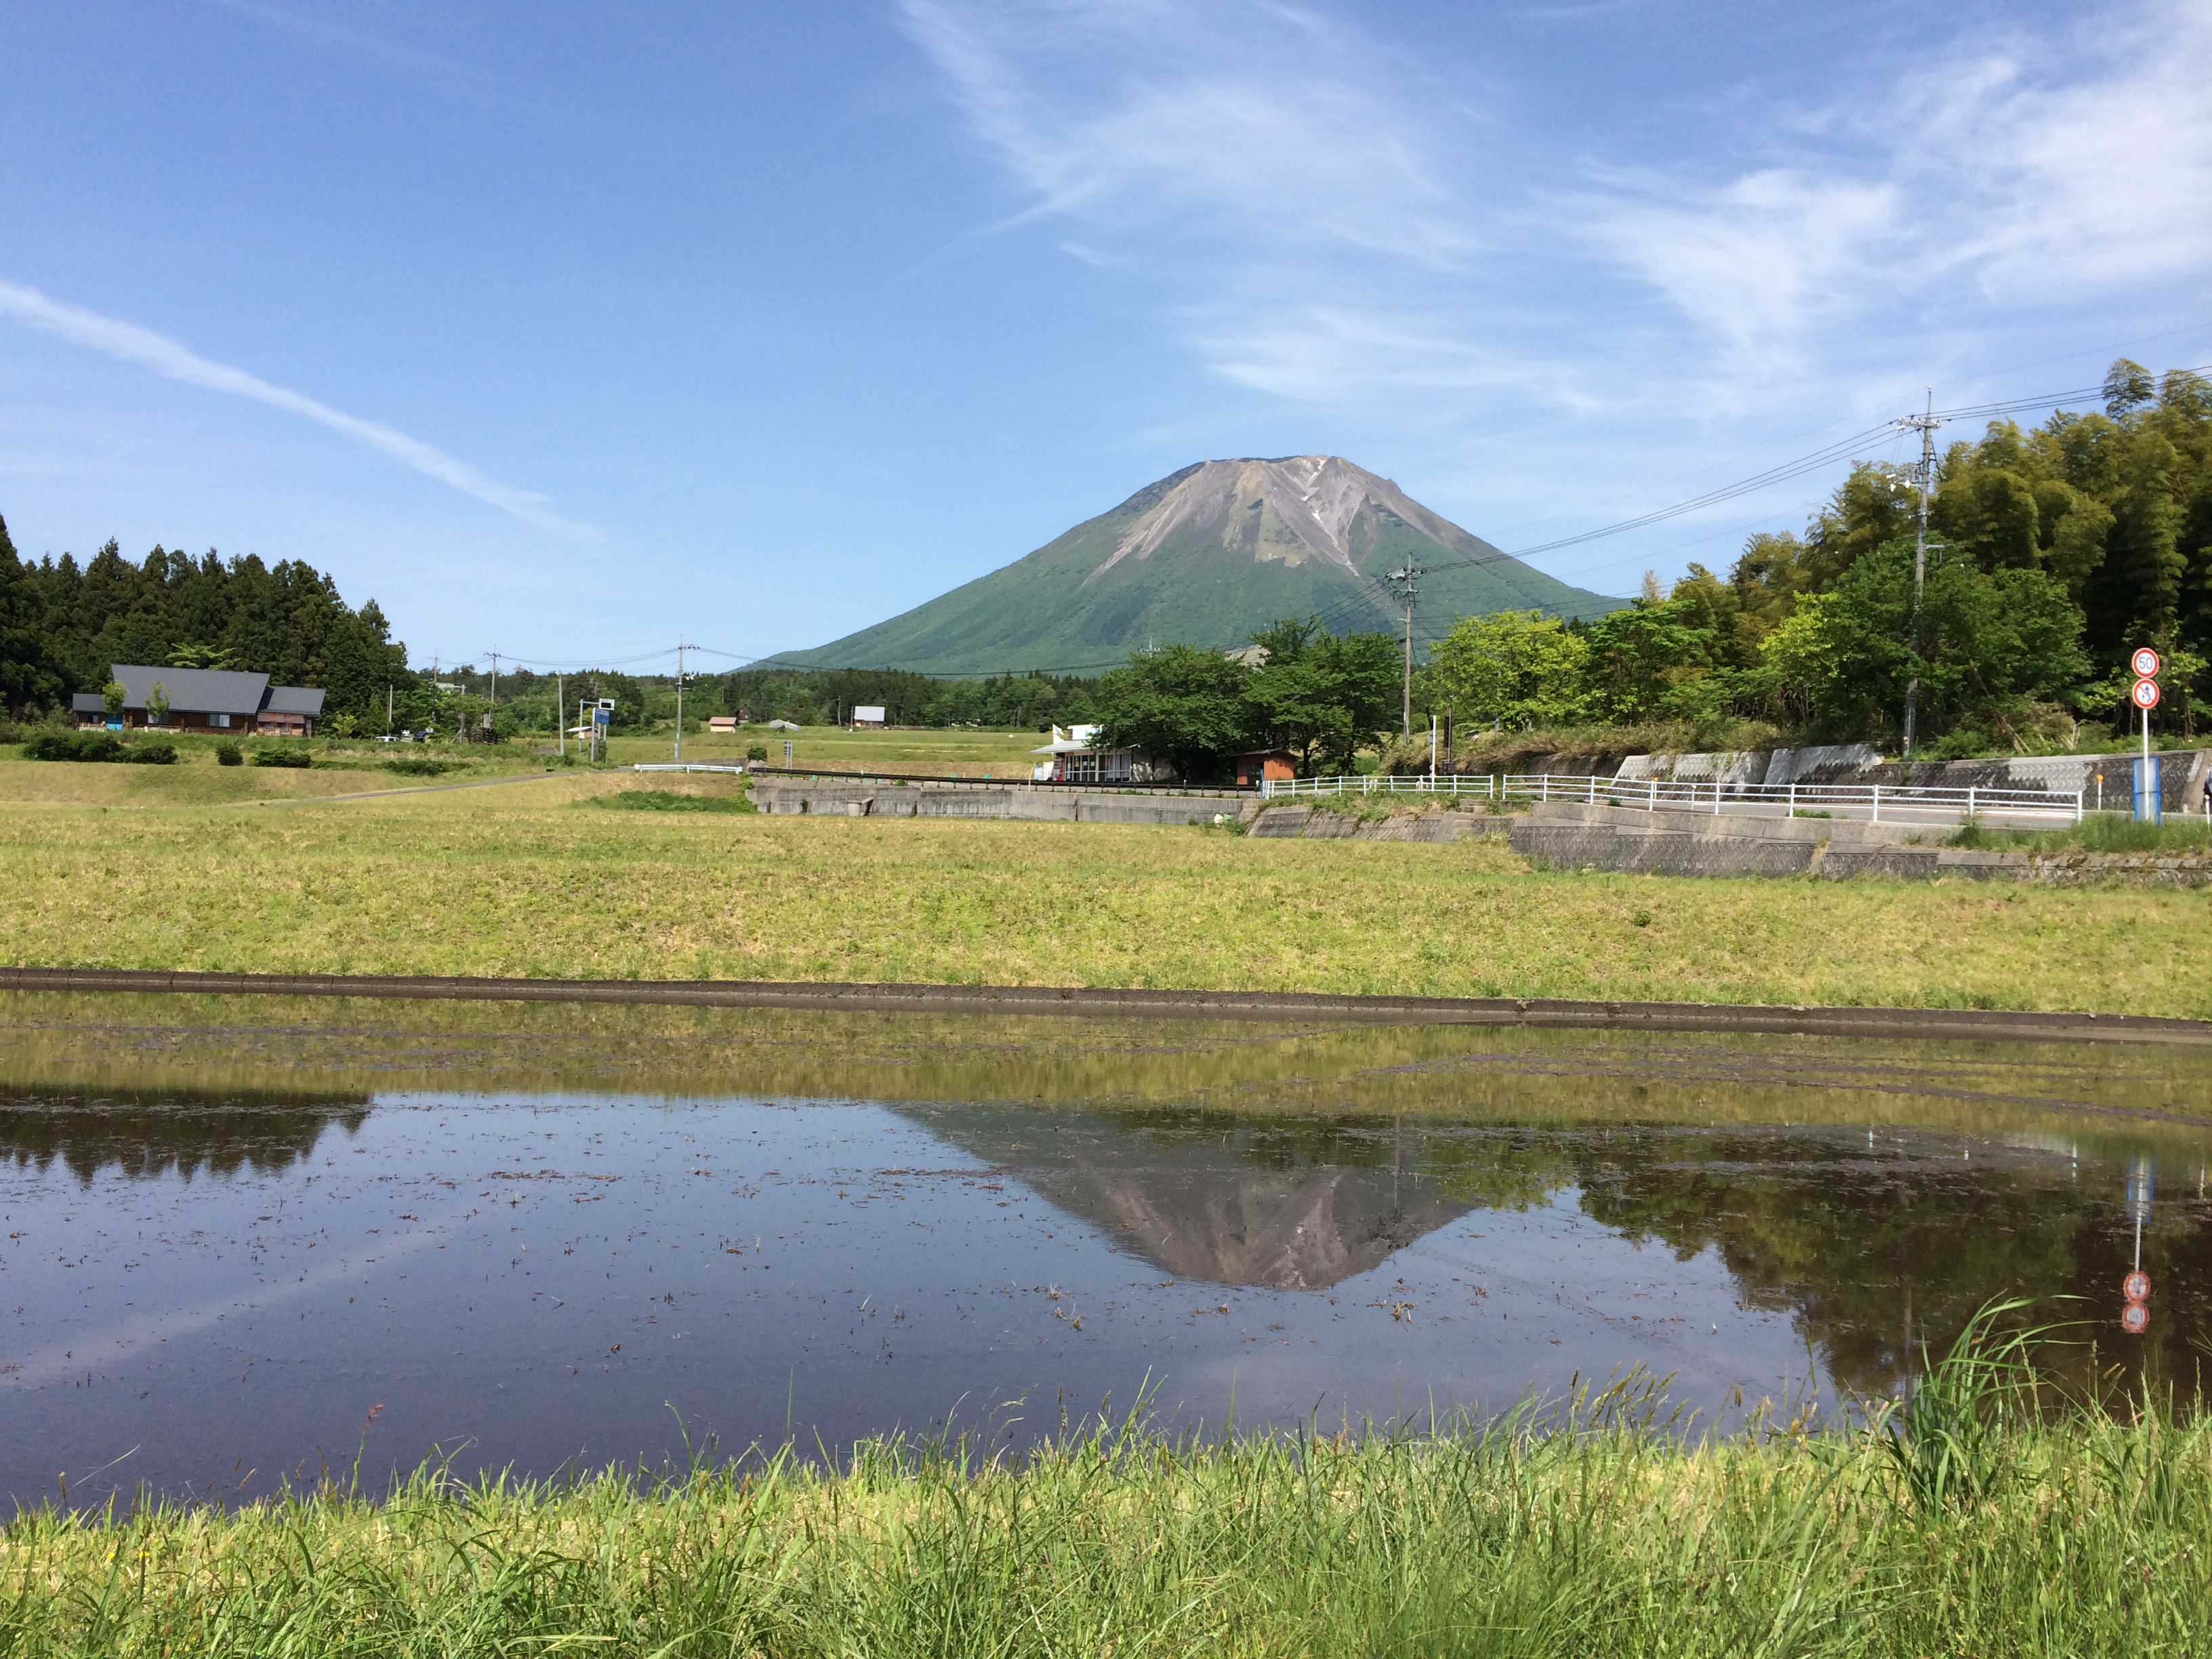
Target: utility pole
494,679
387,708
679,702
1405,577
561,716
1925,477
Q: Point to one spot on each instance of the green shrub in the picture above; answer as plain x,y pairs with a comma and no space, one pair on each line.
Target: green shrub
228,753
293,758
421,765
758,752
75,746
151,754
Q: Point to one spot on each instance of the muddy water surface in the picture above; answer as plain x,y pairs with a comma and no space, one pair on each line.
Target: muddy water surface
236,1233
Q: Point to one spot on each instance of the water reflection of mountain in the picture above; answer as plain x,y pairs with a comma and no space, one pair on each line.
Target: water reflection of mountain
1874,1244
145,1133
1293,1203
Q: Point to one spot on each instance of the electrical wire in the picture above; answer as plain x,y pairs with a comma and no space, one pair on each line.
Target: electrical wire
1372,592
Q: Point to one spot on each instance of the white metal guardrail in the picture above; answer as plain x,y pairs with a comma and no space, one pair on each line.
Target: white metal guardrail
1900,801
689,766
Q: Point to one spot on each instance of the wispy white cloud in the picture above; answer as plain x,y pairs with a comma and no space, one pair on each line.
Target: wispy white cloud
2085,160
129,343
1330,228
1305,200
1170,121
2042,168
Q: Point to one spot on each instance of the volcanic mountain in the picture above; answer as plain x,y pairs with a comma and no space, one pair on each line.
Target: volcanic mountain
1207,556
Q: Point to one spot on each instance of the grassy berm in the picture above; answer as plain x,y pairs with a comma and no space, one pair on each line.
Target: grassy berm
1959,1527
534,877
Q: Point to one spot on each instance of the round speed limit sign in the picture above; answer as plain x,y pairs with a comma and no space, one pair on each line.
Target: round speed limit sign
2145,694
2145,663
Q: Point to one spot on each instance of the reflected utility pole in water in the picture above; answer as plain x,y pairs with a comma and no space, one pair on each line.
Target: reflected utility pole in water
2142,1185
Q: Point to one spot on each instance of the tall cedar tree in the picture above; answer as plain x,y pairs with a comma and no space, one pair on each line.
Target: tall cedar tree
63,627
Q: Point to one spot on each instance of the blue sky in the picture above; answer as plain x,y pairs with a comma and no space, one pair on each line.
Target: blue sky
571,331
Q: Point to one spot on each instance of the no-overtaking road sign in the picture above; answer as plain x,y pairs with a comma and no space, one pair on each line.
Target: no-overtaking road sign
2145,694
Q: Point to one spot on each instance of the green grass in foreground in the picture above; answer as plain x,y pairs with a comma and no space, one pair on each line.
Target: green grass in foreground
515,880
1962,1525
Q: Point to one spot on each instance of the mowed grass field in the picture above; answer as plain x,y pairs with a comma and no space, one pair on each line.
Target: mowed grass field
535,877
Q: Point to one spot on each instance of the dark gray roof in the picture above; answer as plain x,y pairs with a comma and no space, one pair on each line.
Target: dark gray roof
206,691
193,690
293,700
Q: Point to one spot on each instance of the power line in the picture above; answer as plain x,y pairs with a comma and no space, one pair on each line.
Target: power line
1377,592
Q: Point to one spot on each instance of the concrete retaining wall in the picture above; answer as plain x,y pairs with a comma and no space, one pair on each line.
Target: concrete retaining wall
1570,836
1297,822
878,798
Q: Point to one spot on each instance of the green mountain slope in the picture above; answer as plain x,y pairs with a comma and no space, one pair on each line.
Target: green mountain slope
1206,557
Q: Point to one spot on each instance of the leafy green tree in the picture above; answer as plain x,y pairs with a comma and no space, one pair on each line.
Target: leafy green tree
1653,660
1322,696
194,655
1992,642
1518,668
1873,506
1183,704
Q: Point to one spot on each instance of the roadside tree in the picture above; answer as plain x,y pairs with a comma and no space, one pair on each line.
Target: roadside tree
1183,704
1320,696
1518,668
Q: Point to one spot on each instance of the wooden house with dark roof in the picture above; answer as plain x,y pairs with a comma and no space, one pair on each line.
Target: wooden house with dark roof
204,699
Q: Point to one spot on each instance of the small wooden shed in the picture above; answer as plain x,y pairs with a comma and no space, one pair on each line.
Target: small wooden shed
1271,765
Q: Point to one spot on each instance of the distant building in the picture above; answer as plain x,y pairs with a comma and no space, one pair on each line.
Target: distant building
1261,765
782,726
204,699
724,724
1073,760
868,713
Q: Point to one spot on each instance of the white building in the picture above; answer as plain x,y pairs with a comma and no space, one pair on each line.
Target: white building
1072,759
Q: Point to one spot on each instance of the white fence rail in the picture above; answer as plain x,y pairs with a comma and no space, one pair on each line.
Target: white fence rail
1900,801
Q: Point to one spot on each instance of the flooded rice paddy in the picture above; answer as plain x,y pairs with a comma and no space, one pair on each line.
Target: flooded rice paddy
248,1241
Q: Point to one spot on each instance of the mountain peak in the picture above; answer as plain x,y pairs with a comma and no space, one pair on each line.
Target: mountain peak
1208,556
1292,507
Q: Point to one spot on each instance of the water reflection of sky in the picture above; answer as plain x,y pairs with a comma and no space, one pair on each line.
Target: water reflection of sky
216,1290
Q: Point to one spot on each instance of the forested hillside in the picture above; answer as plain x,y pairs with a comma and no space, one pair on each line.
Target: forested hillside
62,626
2053,552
